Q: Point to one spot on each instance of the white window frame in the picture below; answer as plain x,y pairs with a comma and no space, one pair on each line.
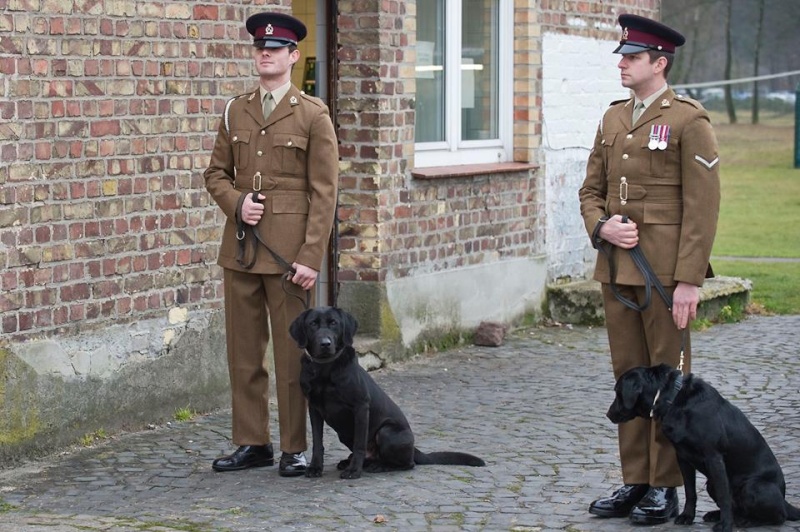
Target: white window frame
453,150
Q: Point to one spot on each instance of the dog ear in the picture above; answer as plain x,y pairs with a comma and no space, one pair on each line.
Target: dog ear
298,329
631,390
350,326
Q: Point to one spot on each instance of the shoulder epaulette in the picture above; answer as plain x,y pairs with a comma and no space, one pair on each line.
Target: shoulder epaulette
313,99
690,101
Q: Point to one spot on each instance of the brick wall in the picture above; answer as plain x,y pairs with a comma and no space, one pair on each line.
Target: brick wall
107,115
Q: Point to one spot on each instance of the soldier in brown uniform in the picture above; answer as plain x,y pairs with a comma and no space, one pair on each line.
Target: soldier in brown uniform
656,164
274,174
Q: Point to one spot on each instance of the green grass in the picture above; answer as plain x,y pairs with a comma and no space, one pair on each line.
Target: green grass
760,210
184,414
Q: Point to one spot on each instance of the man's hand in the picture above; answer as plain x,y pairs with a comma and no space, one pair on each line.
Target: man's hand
684,304
251,210
304,276
624,235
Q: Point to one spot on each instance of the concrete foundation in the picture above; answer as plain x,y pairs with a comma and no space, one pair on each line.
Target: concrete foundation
54,392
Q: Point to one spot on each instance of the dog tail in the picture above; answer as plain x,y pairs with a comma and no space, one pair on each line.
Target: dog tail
792,513
447,458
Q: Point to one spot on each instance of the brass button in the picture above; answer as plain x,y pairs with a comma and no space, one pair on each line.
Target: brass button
289,143
625,157
629,136
259,153
235,138
263,132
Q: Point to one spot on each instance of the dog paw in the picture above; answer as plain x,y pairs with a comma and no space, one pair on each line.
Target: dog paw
343,464
723,527
313,472
350,473
684,519
712,517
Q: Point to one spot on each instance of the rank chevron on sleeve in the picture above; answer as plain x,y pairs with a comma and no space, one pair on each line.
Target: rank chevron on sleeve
707,164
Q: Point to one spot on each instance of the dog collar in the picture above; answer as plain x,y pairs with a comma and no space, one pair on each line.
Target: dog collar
677,388
336,355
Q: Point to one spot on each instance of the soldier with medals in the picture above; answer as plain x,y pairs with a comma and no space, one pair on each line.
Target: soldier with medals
652,179
274,173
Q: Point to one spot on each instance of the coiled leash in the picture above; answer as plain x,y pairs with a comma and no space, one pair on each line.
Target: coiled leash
241,235
650,279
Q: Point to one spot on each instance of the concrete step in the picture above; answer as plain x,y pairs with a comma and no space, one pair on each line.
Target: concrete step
581,303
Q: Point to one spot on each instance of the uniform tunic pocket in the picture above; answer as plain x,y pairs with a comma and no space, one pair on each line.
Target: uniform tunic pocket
665,164
286,227
290,152
240,143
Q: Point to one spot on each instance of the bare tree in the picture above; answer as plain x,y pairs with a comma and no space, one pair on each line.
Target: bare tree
729,62
756,54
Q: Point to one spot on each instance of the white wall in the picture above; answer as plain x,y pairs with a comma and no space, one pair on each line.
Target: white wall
579,79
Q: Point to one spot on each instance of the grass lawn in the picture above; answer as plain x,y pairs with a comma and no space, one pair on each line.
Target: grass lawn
760,211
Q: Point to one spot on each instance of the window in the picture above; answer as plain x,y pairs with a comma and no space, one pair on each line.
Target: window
464,82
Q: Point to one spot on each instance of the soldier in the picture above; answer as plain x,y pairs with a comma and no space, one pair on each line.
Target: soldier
274,174
652,179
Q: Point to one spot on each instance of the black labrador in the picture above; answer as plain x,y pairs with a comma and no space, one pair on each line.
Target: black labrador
343,395
714,437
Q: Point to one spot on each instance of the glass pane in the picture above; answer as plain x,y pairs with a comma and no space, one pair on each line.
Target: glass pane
479,69
430,115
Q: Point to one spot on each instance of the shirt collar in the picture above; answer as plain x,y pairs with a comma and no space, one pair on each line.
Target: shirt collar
277,94
650,99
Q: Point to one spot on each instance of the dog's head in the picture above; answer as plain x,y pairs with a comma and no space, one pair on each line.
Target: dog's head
323,332
635,392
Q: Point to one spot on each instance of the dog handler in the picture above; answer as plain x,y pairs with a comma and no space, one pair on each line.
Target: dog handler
274,174
652,179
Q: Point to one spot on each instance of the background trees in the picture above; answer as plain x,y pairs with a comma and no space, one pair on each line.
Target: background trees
732,39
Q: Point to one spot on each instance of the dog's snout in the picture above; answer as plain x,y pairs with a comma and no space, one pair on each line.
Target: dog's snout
325,341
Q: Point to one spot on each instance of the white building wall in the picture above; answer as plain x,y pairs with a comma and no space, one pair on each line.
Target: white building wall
579,79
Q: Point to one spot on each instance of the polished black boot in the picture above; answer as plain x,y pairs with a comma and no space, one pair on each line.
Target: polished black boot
621,501
245,457
292,465
658,506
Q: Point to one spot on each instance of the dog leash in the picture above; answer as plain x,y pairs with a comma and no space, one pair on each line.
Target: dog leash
650,280
241,252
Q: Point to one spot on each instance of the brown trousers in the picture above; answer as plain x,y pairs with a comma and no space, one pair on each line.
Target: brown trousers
252,302
644,339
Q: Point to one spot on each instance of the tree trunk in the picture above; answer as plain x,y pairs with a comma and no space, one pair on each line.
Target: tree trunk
757,53
728,63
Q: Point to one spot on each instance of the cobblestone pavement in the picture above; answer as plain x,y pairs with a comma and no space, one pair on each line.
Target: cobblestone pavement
534,409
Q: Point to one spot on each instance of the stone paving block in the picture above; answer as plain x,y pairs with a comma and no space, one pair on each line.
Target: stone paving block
534,409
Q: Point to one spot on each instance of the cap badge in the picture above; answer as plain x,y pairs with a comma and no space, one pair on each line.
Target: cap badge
664,103
269,30
625,34
293,100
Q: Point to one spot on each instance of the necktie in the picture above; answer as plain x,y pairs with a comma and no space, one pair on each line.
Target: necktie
637,112
268,105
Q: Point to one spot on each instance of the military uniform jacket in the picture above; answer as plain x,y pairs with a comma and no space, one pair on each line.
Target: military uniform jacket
672,194
292,159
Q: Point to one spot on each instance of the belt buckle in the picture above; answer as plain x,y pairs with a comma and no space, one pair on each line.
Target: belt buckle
257,182
623,190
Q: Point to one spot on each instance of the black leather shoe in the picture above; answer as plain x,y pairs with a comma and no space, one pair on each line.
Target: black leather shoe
621,501
244,457
292,465
658,506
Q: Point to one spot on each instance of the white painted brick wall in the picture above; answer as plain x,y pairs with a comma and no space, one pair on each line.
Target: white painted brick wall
579,79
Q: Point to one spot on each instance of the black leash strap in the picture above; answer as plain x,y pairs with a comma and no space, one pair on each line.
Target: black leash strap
242,229
650,279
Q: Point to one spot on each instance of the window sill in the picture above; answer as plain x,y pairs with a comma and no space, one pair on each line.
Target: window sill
467,170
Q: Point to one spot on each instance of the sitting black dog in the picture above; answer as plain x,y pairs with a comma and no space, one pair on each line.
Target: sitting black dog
343,395
714,437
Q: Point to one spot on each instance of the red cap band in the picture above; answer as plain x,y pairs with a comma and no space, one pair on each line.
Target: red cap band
275,32
648,39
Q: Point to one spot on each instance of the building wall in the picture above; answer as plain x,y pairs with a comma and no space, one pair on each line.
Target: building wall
108,112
